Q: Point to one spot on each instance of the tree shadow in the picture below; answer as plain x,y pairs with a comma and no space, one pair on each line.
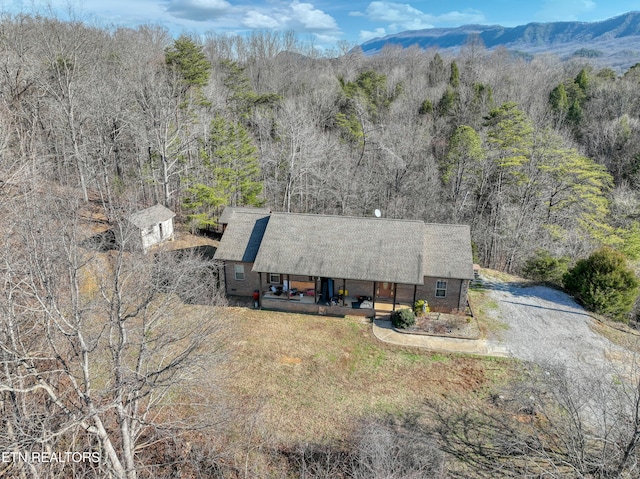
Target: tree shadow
532,290
548,309
102,242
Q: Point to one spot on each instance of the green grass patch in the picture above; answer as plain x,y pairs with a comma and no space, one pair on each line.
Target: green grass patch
439,358
486,310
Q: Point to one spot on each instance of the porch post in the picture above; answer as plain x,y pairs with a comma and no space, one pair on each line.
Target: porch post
395,287
289,288
374,298
415,289
344,289
315,289
260,299
224,274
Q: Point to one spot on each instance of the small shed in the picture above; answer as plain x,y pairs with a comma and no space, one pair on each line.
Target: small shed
149,227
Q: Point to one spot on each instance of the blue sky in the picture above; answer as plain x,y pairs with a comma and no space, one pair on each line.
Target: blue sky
324,21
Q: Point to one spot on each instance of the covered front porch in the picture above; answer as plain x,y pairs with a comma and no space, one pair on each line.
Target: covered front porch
334,297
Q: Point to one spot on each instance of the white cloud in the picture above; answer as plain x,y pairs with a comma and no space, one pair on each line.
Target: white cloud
259,20
392,12
199,10
303,17
564,10
326,39
311,18
402,16
366,35
299,16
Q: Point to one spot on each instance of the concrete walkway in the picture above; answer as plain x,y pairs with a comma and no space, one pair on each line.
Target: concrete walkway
384,332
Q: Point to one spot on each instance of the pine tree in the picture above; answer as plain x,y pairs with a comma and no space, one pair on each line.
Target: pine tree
437,71
582,80
454,78
190,61
232,172
558,99
459,169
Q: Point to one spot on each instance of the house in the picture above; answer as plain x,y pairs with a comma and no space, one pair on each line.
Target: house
146,228
228,212
344,265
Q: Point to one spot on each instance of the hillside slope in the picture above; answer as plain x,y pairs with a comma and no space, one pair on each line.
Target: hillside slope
614,42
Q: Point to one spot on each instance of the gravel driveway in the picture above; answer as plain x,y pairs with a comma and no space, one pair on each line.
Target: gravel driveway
545,325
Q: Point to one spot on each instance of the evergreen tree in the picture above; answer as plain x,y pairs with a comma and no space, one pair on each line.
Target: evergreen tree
558,99
190,61
437,71
603,283
510,132
243,99
582,80
575,115
543,266
454,77
460,168
371,89
235,162
447,101
232,172
426,107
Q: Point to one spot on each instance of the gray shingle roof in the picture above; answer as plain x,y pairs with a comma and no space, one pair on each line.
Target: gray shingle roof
370,249
243,236
151,216
227,213
447,251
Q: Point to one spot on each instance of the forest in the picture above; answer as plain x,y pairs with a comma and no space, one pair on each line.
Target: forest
538,154
541,157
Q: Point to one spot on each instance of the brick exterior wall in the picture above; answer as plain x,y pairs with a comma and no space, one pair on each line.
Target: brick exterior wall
244,287
452,300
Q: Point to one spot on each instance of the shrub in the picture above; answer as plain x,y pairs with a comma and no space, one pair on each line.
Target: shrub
403,318
542,266
603,283
417,308
426,107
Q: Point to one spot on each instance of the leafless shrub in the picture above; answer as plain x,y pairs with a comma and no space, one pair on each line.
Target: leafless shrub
550,424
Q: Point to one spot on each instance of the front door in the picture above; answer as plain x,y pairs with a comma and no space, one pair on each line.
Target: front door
384,290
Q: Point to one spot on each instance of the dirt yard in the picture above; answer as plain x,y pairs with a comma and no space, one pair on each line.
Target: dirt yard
446,325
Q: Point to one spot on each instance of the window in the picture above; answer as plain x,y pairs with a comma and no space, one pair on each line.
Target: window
239,270
441,289
274,278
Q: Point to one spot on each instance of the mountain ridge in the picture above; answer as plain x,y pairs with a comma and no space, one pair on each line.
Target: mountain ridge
617,39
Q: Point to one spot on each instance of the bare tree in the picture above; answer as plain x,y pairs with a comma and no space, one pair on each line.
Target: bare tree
551,424
108,347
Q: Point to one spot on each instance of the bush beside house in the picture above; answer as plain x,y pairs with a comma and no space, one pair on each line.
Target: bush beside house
403,318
